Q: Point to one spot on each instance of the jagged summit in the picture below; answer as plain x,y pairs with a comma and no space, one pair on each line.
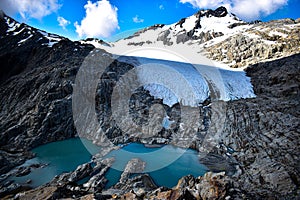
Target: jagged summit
219,12
25,33
203,26
215,22
94,41
200,20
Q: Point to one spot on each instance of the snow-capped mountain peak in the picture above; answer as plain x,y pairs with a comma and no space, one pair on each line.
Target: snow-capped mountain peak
218,35
203,26
25,33
199,20
212,23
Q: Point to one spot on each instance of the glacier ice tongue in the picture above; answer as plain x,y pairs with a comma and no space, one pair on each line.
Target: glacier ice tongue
187,84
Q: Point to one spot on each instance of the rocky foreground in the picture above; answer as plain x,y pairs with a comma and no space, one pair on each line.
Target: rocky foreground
256,156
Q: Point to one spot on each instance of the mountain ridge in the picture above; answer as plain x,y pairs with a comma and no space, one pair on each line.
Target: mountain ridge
208,35
219,12
24,44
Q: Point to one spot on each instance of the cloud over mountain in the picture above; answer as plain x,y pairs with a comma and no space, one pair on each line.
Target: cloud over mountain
136,19
101,20
62,22
30,8
246,9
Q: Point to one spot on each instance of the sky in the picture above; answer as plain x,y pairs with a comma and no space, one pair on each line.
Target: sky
114,19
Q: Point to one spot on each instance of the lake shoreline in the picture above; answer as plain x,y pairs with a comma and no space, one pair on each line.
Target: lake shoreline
27,180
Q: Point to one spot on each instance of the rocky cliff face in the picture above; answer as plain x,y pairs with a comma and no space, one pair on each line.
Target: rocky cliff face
262,41
264,131
256,152
35,88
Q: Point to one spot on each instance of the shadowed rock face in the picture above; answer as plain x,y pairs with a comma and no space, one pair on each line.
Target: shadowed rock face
265,131
219,12
35,89
260,138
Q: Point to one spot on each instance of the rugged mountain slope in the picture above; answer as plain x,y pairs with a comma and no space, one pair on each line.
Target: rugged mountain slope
260,140
221,36
258,146
262,41
265,132
23,46
37,70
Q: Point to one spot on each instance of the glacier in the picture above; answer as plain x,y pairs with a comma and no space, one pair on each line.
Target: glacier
188,84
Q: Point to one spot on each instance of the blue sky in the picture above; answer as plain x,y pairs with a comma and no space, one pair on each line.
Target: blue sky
111,19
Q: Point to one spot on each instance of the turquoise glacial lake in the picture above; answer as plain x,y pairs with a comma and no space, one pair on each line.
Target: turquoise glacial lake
165,164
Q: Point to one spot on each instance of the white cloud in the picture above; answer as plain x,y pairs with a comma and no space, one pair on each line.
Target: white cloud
161,7
257,8
136,19
62,22
205,3
30,8
246,9
101,20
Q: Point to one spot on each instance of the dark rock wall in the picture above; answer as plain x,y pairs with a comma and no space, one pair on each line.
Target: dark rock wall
35,90
265,131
